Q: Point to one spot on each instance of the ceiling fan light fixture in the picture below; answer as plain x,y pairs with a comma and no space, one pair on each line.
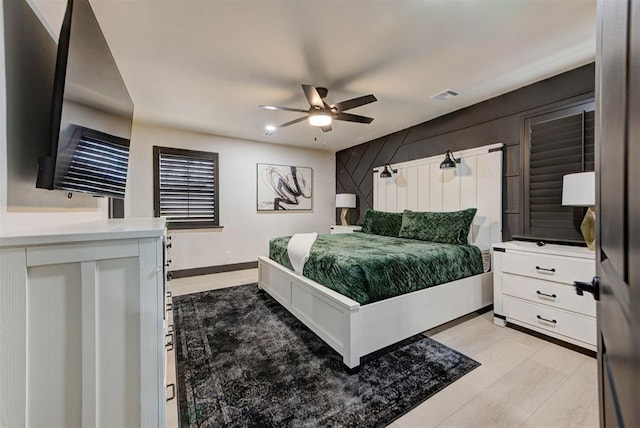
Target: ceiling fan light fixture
320,119
320,114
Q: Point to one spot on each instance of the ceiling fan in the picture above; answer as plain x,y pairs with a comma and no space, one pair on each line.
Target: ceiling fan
321,114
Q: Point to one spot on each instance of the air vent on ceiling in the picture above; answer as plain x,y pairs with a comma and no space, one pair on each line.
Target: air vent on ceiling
445,95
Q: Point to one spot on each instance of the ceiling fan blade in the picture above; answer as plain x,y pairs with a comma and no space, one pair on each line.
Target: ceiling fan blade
300,119
326,128
355,102
353,118
313,96
283,108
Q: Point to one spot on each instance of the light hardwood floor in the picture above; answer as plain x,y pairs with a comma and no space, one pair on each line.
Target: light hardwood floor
523,380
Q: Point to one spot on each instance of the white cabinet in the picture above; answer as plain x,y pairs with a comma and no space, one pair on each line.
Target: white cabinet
533,287
81,325
344,229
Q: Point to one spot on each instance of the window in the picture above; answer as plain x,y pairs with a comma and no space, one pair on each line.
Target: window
556,144
186,187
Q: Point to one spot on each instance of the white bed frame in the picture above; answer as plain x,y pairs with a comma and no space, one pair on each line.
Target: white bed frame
354,330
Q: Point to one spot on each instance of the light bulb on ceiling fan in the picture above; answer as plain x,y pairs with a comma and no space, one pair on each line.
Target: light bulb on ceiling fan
320,119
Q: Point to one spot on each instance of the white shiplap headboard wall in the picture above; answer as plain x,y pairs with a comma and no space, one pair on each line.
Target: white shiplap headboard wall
420,185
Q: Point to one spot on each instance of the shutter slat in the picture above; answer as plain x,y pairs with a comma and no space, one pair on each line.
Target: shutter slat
552,224
566,215
564,168
539,163
564,138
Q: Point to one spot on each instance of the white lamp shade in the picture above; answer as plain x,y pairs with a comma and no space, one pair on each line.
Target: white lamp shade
579,190
345,200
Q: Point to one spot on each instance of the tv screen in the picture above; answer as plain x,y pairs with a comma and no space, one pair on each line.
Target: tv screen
91,112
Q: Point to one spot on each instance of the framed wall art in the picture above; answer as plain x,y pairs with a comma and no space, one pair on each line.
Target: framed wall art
284,188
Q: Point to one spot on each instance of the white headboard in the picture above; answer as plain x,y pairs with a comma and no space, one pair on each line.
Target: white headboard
420,185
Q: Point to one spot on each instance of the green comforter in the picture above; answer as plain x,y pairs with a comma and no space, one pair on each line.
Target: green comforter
368,268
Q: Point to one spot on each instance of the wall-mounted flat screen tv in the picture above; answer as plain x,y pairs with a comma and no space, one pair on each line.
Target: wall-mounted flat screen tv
91,112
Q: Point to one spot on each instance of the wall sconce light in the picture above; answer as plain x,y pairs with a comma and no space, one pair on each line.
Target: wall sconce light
449,161
387,172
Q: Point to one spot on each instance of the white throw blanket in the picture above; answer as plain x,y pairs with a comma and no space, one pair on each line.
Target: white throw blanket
299,248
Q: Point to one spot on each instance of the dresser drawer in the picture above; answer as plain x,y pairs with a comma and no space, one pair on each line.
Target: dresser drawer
558,269
554,320
554,294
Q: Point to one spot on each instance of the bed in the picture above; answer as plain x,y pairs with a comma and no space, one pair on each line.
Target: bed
368,268
355,324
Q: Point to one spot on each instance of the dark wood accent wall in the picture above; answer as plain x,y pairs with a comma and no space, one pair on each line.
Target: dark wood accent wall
497,120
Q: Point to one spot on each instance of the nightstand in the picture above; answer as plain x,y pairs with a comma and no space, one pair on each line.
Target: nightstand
533,288
344,229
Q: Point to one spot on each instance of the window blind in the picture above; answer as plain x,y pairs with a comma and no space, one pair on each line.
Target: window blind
186,187
558,145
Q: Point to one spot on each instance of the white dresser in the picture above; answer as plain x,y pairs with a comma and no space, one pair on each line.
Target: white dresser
81,325
533,287
344,229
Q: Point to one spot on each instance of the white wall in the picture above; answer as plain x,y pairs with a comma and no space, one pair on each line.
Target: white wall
246,232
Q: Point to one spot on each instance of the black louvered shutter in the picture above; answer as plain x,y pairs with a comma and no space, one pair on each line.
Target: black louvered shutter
186,187
558,144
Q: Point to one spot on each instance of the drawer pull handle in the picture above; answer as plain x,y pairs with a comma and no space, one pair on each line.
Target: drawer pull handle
544,319
171,386
543,295
552,270
168,341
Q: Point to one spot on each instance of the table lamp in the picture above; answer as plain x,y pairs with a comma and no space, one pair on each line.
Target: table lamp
579,190
345,201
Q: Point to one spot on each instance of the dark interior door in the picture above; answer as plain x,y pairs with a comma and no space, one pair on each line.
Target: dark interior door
618,243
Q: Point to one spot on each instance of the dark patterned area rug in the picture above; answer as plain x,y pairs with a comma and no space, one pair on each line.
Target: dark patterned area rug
243,360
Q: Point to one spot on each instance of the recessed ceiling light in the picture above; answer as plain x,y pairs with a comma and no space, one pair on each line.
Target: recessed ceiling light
270,107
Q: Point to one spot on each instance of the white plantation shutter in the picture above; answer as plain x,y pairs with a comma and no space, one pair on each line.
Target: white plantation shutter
187,188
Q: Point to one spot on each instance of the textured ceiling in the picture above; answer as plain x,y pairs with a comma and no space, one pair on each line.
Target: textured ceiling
207,65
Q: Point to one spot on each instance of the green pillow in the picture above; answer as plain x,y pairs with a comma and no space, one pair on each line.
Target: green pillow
382,223
444,227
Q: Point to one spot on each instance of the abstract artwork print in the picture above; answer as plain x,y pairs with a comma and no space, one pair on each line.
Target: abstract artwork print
284,188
